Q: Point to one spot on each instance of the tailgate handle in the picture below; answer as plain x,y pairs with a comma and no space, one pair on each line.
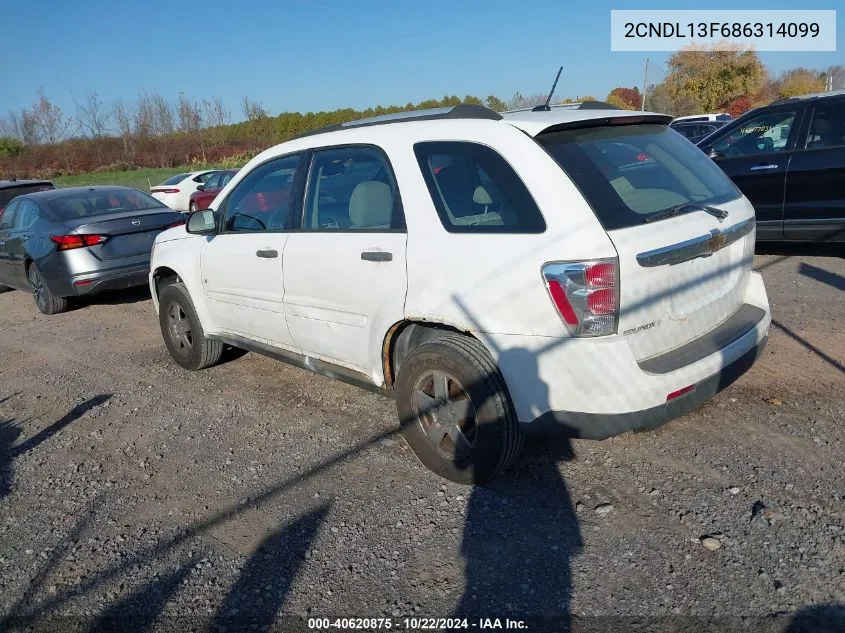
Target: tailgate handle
763,167
376,256
267,254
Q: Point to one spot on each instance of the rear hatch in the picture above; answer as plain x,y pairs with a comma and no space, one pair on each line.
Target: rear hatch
118,223
683,232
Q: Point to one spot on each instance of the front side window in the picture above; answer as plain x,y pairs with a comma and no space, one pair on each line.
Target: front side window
262,201
475,190
351,188
213,182
762,134
7,216
827,128
630,172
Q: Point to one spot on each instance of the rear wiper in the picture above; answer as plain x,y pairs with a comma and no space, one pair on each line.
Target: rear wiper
686,207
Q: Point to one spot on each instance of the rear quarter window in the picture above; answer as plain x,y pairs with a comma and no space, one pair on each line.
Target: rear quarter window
630,172
475,190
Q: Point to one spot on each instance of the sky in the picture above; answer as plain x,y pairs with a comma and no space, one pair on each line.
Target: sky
310,55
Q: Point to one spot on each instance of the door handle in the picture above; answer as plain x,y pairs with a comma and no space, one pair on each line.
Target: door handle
763,167
267,254
376,256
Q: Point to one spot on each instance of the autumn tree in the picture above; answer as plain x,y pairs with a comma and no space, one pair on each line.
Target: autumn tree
625,98
252,110
49,122
711,76
799,81
657,99
494,103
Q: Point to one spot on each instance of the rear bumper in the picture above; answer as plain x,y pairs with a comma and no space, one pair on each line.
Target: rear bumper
93,283
595,388
599,426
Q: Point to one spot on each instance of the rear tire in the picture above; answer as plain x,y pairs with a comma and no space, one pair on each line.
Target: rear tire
45,300
465,430
182,330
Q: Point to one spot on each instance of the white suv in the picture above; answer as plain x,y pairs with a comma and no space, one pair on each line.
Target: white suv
581,272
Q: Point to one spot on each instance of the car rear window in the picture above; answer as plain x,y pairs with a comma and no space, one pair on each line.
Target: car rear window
475,190
7,195
92,203
630,172
175,179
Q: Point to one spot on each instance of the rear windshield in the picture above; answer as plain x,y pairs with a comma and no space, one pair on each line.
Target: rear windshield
7,195
628,173
91,203
175,179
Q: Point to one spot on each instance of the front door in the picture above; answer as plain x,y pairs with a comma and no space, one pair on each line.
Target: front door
345,280
755,154
814,208
7,222
242,266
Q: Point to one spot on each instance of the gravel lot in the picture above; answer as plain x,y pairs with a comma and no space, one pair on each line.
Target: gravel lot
137,496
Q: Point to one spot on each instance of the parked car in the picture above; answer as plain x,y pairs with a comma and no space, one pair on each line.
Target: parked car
788,158
175,192
79,241
205,193
9,189
698,118
499,275
696,131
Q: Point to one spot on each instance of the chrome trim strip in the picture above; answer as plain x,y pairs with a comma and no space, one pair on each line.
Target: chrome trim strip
315,365
701,246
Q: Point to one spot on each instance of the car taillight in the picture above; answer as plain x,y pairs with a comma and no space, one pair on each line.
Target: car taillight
164,191
586,295
68,242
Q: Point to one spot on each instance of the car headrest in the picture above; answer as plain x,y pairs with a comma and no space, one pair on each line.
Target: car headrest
371,205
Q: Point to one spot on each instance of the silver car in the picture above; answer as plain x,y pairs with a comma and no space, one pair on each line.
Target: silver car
79,241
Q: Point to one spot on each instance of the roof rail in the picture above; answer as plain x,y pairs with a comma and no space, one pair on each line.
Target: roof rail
461,111
580,105
814,95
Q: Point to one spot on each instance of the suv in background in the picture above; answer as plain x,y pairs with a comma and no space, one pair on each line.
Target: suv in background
10,189
788,158
575,272
696,131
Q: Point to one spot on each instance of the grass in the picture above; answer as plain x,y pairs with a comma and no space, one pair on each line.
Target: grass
136,178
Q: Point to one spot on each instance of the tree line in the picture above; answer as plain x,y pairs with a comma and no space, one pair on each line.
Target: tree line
44,140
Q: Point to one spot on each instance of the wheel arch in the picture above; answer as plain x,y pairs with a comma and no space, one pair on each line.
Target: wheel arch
163,275
403,336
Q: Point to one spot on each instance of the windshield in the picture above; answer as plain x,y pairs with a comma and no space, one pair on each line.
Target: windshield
630,172
174,180
7,195
92,203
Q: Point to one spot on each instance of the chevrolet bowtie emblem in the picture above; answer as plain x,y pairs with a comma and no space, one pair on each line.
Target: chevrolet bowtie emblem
717,241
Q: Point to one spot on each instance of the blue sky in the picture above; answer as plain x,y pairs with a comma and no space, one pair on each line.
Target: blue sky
321,55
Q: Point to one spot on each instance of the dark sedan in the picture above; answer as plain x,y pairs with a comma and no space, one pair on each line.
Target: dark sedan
79,241
205,193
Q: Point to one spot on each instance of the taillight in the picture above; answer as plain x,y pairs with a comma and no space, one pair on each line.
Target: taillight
68,242
164,191
586,295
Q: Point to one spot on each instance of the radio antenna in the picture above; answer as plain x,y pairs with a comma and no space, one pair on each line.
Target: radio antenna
545,107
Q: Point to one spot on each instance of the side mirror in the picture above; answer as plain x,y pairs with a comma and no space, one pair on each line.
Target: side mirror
200,187
201,222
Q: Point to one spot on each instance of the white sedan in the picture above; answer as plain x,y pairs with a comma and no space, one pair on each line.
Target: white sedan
176,192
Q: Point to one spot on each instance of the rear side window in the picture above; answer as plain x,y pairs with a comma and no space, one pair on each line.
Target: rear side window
628,173
475,190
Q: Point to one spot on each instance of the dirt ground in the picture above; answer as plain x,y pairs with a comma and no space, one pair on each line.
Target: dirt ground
137,496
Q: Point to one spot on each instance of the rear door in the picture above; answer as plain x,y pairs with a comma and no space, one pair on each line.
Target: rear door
814,206
241,266
682,275
755,154
345,276
16,238
7,220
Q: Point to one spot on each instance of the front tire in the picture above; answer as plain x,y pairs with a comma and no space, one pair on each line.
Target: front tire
182,330
455,410
45,300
